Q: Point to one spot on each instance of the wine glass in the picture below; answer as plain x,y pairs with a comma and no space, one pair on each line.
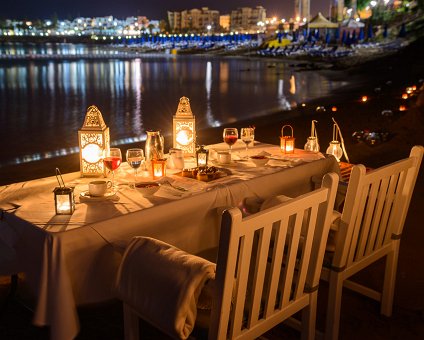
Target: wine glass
112,160
247,136
135,157
230,136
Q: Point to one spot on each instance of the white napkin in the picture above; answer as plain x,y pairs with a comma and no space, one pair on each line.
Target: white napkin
163,283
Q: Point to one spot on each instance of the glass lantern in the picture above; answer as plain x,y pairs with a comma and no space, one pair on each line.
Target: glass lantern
93,140
287,142
202,155
64,199
335,150
312,141
158,168
184,128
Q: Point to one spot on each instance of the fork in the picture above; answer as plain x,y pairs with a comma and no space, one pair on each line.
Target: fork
174,186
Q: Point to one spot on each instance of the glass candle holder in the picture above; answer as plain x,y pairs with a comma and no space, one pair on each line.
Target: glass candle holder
158,168
64,200
287,142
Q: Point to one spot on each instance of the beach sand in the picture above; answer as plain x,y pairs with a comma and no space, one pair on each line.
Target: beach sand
383,81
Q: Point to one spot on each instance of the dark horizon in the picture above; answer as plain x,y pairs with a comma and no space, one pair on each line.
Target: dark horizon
47,9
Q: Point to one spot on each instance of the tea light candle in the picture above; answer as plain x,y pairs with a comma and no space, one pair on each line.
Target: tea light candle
158,168
64,201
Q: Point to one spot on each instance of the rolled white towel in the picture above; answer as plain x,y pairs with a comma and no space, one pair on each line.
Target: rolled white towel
163,283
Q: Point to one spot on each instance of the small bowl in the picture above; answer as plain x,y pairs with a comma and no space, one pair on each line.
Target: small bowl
147,188
259,160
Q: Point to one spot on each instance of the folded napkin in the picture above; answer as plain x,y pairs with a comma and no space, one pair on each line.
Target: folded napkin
163,283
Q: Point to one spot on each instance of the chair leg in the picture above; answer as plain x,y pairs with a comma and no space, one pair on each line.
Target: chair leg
389,282
309,317
131,326
335,290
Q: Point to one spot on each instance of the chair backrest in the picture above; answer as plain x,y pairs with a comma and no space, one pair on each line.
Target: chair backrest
375,208
268,250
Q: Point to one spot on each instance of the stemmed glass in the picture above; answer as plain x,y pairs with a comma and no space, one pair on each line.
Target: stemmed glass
247,136
112,160
135,157
230,137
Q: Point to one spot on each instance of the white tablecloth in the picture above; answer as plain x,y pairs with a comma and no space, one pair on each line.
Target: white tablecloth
72,260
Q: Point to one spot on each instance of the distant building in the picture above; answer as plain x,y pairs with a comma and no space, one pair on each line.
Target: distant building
224,22
194,20
246,18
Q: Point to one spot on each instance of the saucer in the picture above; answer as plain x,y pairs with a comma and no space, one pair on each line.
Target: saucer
86,197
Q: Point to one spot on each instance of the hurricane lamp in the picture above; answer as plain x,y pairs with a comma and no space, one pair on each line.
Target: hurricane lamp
312,141
158,168
184,128
93,140
64,199
202,155
334,148
287,142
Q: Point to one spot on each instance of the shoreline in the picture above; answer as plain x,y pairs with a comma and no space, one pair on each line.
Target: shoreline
390,74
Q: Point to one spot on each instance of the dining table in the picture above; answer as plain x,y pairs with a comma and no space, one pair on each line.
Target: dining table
72,260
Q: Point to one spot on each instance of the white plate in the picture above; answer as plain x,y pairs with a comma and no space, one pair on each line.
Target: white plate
86,197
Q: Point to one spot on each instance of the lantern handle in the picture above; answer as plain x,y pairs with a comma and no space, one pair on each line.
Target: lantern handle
282,130
58,174
341,138
314,129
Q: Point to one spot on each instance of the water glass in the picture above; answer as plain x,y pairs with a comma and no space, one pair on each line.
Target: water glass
135,158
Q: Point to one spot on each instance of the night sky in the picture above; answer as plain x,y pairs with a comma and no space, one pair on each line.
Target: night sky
153,9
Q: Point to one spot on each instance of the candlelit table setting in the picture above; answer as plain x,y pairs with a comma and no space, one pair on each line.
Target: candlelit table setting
70,230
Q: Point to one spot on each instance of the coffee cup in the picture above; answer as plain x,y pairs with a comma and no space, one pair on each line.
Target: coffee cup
99,188
223,157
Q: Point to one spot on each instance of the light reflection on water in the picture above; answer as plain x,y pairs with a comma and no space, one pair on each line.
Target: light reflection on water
43,103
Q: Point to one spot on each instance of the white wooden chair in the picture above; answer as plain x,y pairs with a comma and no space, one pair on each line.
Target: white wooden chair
370,228
269,251
283,266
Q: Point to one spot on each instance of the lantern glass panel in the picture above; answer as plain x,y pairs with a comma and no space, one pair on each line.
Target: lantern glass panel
202,156
158,168
64,201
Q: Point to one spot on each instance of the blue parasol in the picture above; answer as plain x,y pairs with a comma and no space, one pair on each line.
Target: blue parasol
344,38
369,32
337,34
327,38
361,34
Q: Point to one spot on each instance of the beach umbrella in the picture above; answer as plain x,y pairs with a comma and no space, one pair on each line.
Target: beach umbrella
327,38
344,38
310,36
402,32
354,37
369,33
337,34
361,34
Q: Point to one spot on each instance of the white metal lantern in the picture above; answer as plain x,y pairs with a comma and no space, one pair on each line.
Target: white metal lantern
184,128
93,140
